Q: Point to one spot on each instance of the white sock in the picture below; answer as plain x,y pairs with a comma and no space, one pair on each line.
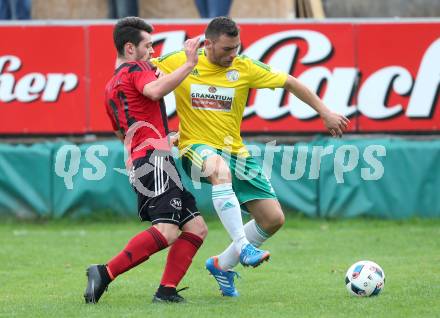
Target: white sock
228,209
256,236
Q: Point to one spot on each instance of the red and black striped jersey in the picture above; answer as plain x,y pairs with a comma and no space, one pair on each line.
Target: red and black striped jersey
130,111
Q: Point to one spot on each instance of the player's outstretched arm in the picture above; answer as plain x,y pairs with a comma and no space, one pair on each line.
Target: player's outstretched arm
335,123
162,86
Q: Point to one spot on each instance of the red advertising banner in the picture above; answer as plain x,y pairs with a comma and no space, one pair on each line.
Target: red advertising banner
42,80
383,76
103,57
399,67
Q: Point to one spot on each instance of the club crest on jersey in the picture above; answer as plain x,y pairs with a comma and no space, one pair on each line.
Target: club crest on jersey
232,75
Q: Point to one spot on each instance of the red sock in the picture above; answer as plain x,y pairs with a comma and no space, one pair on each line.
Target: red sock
179,258
138,250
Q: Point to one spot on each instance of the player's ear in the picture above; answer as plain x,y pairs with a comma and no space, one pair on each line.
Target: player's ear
129,48
208,43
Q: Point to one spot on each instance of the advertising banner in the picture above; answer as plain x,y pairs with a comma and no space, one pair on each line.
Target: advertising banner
43,80
383,76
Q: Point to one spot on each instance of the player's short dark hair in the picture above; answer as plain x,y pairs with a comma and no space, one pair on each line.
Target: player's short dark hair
129,30
221,25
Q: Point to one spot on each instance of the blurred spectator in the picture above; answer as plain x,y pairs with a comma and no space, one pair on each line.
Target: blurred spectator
213,8
122,8
15,9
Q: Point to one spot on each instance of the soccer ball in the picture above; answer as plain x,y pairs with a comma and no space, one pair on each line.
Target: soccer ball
365,278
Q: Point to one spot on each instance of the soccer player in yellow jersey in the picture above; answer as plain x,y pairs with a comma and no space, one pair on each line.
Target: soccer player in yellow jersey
210,104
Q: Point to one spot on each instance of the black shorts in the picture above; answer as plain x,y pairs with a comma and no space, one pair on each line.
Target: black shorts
160,192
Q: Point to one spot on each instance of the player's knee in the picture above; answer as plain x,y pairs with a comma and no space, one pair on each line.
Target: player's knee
172,236
197,226
217,171
276,221
169,231
279,220
201,231
221,175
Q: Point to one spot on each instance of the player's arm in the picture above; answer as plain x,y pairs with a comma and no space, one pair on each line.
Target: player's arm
334,122
157,89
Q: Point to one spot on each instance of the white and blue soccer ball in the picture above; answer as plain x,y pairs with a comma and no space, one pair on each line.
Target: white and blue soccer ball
365,278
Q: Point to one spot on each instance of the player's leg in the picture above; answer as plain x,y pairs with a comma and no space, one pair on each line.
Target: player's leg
222,266
219,266
215,168
260,200
138,250
151,207
182,252
141,247
224,199
268,218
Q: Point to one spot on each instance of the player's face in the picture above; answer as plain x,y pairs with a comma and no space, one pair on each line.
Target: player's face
144,50
223,50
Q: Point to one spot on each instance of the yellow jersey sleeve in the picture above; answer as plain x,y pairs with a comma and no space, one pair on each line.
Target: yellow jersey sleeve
170,62
262,75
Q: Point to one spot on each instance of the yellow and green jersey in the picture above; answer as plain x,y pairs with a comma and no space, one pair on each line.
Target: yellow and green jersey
210,102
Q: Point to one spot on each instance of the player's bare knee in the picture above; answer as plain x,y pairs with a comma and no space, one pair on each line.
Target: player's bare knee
201,231
197,226
273,222
279,220
276,217
169,231
216,170
220,176
172,236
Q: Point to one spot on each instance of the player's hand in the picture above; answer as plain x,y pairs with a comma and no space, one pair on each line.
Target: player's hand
159,73
174,139
191,50
335,123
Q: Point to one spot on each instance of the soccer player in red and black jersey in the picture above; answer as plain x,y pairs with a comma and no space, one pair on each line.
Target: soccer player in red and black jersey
135,107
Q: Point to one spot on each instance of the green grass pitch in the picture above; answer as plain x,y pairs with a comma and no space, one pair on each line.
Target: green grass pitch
42,271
